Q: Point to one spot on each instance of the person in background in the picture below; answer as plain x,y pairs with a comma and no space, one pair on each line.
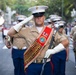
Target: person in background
73,36
53,18
30,34
2,20
18,47
59,59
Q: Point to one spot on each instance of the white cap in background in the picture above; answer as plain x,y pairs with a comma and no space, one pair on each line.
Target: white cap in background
59,23
55,17
21,17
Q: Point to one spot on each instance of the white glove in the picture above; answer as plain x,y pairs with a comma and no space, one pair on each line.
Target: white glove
18,26
1,20
56,49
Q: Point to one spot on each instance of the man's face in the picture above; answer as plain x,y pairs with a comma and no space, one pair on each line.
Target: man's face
39,21
61,29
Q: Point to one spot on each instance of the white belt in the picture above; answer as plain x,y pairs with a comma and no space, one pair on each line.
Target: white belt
18,48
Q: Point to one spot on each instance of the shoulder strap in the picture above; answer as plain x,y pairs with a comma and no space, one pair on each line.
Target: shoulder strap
51,43
34,50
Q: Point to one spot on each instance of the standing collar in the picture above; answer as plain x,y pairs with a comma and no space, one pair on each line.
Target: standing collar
34,28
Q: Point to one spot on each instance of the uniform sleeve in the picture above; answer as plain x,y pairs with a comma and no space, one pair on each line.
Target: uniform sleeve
20,33
72,31
60,38
57,37
63,38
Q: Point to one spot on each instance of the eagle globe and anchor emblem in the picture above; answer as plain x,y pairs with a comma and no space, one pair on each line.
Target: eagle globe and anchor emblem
42,39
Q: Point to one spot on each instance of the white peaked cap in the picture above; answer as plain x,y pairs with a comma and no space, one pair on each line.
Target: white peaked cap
55,17
60,23
48,20
21,17
1,20
37,9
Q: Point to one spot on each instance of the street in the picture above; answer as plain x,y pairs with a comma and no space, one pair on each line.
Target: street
70,65
6,64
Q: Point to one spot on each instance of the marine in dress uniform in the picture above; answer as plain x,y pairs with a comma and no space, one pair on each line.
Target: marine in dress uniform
18,46
59,59
73,36
30,34
52,21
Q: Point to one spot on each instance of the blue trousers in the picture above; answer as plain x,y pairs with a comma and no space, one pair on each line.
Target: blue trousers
18,61
59,61
36,68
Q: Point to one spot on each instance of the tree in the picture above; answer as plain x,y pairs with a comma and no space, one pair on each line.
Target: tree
60,7
4,3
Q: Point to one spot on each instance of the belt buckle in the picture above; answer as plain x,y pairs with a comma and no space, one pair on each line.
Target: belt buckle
44,60
23,48
39,61
20,48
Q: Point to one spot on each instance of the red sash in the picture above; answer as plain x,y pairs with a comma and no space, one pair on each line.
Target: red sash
34,50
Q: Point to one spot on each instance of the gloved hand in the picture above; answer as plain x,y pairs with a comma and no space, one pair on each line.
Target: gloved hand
56,49
18,26
8,42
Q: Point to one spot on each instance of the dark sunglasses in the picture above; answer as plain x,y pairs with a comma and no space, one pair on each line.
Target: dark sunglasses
40,14
61,26
20,20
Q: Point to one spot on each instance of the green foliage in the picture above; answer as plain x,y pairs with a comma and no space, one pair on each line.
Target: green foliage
60,7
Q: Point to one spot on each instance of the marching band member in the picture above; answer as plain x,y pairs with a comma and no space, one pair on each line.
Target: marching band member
18,48
73,36
30,35
59,59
